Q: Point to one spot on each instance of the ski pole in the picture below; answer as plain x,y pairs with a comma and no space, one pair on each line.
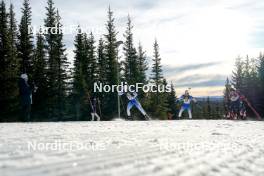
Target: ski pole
99,106
122,104
198,106
90,101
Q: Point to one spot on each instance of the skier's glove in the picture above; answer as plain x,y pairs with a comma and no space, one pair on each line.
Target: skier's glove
120,93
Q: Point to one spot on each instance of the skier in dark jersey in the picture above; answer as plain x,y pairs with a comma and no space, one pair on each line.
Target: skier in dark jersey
94,113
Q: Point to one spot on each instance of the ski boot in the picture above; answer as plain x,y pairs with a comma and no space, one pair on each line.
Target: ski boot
147,117
129,118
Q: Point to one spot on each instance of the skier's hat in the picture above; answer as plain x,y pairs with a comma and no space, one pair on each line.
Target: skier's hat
24,76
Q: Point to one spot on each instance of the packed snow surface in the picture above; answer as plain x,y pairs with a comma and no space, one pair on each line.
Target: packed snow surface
133,148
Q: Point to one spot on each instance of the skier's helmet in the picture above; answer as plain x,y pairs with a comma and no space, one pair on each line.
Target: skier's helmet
186,92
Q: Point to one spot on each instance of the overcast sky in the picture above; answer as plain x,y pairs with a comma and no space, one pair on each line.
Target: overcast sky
199,39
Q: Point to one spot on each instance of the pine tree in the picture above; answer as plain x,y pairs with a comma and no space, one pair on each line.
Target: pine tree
142,64
237,78
40,78
172,106
50,38
9,65
14,62
158,103
13,31
62,85
103,68
261,83
25,42
246,77
226,94
57,63
79,82
156,75
93,61
250,81
110,109
102,62
131,70
86,63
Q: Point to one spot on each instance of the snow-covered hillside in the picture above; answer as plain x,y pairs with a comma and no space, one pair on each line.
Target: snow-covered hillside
133,148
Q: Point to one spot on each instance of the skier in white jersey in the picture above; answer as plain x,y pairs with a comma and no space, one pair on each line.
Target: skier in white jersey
186,105
132,97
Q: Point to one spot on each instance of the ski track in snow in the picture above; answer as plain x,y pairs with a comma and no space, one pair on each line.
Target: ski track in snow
133,148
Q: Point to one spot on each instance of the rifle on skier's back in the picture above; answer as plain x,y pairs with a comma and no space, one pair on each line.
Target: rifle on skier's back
243,97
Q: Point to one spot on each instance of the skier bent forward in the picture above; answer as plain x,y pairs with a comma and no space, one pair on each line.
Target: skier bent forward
132,97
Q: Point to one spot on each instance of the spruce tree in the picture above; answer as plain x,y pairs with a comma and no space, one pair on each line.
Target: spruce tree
226,95
80,100
131,70
142,64
13,31
25,42
102,62
237,77
86,64
62,76
50,38
246,77
250,81
14,62
158,103
171,99
142,68
93,61
156,75
102,73
57,63
40,79
9,65
110,108
261,82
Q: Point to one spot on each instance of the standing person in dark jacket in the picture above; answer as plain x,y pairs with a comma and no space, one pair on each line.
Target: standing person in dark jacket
94,113
26,97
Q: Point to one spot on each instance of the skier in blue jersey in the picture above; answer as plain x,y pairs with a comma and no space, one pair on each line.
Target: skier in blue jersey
132,97
186,105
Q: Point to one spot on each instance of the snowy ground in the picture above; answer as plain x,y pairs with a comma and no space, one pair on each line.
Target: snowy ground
133,148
